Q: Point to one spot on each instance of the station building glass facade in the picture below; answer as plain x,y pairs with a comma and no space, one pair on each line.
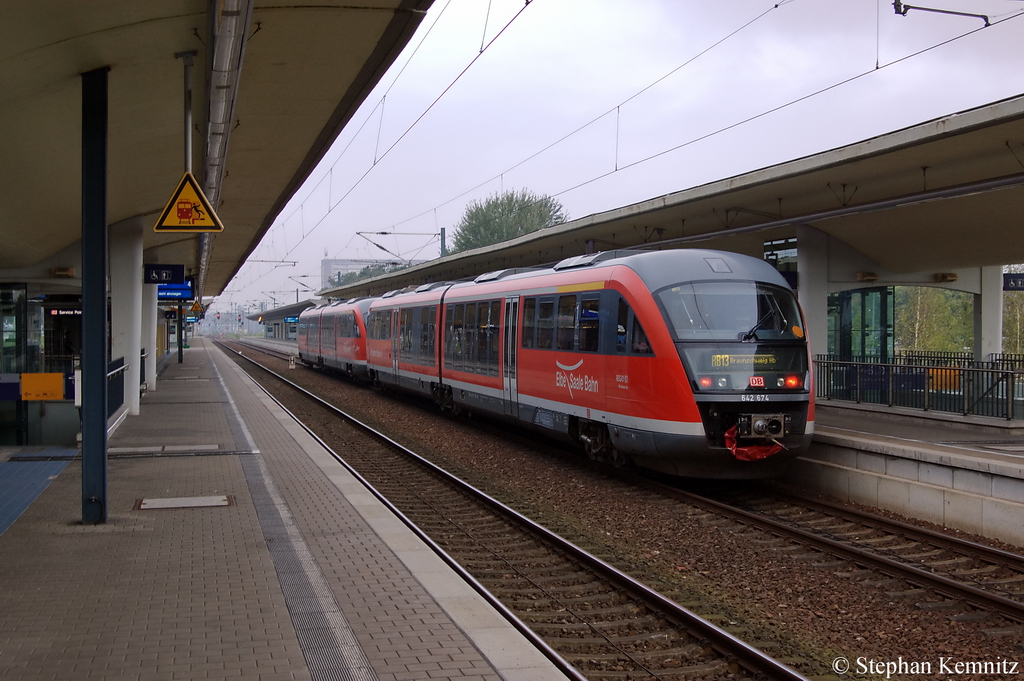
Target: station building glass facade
860,321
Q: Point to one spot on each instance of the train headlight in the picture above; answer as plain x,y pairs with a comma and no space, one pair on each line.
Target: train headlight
723,382
705,381
794,382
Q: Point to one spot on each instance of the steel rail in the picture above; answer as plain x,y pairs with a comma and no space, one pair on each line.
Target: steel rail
979,597
987,553
748,656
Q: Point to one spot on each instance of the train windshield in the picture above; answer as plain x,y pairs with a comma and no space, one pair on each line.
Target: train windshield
745,311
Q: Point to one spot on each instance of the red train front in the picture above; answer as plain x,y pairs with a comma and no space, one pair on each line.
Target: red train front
334,336
689,362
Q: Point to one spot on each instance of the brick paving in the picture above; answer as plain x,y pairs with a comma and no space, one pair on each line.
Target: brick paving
192,593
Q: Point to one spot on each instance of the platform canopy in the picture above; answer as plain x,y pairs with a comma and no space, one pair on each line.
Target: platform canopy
274,83
934,197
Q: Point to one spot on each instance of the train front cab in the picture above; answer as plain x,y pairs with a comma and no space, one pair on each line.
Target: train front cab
308,337
606,363
343,337
738,332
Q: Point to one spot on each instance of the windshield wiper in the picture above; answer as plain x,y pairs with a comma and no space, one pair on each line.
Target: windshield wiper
752,334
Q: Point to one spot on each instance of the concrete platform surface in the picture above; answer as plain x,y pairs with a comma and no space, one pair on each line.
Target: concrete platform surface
236,548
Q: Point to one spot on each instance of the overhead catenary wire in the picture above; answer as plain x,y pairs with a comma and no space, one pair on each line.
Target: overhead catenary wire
617,167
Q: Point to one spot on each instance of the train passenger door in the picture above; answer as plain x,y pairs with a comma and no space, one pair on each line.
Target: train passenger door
509,380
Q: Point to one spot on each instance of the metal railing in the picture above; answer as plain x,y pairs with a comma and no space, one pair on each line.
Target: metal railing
115,385
993,388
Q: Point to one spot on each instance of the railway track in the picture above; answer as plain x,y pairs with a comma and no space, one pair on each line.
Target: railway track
969,580
962,581
593,620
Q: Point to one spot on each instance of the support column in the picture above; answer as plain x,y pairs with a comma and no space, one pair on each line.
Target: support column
94,296
812,268
126,305
150,312
988,314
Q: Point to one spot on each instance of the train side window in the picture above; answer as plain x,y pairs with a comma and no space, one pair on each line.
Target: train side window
458,339
482,357
481,338
469,338
493,338
426,354
621,324
380,325
546,324
449,335
566,321
429,344
405,333
590,325
640,344
529,322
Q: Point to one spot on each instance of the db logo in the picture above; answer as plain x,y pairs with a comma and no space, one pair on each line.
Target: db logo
757,381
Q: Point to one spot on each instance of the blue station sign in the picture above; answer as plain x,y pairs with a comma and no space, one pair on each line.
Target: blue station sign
174,291
1013,282
163,274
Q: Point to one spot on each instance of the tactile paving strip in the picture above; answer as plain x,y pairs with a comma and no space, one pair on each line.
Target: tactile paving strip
331,649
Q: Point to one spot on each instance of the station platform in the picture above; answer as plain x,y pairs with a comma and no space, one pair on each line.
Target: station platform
235,547
960,472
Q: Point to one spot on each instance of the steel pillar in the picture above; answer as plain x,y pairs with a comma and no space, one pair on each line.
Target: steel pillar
94,296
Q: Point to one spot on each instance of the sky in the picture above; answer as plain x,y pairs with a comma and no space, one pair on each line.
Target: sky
606,103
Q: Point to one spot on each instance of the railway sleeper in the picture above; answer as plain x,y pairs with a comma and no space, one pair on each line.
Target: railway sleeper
571,581
560,614
579,628
644,642
547,571
692,651
543,603
987,570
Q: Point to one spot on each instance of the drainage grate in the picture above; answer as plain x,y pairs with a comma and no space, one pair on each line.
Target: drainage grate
184,502
143,454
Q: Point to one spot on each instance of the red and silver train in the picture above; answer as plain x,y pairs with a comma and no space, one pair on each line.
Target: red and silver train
334,336
688,362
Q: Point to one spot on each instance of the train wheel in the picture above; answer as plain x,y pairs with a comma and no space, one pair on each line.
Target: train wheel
594,438
616,458
598,445
445,400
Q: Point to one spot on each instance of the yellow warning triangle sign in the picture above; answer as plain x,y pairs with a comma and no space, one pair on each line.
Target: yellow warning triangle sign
196,307
188,210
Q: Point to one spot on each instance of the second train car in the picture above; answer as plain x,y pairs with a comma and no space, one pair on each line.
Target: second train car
689,362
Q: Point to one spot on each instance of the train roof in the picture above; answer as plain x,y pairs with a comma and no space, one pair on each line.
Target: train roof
657,269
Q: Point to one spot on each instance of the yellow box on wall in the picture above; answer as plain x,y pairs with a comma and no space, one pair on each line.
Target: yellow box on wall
42,386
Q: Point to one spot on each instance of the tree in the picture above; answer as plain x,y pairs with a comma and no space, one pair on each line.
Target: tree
505,216
931,319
